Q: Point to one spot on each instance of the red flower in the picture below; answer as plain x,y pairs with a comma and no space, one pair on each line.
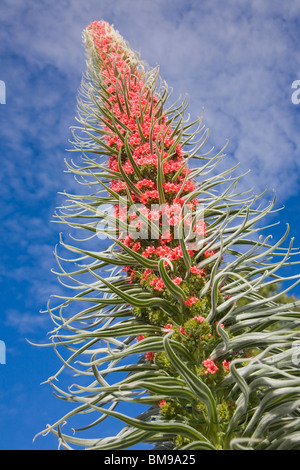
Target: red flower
211,367
191,301
145,183
199,318
207,254
147,273
127,241
189,187
168,327
149,356
158,283
172,187
144,198
179,150
128,168
117,186
149,136
136,246
195,270
132,276
135,139
148,251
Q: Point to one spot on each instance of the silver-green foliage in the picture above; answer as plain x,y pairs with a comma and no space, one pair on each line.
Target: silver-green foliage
95,328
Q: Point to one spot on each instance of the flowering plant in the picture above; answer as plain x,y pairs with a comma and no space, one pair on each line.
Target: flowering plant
173,321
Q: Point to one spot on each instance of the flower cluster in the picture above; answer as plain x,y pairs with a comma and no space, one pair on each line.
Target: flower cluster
148,165
211,367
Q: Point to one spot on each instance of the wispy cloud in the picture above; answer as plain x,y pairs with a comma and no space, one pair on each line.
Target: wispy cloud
235,60
26,322
238,62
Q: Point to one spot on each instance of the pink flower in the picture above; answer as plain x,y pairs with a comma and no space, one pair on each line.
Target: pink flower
172,167
199,318
168,142
149,356
145,183
135,139
127,167
154,215
189,187
179,150
191,301
127,269
148,251
172,187
141,337
178,201
162,251
158,283
211,367
132,276
195,270
226,364
166,235
207,254
113,164
143,198
162,403
168,327
136,246
114,64
117,186
128,241
147,273
200,228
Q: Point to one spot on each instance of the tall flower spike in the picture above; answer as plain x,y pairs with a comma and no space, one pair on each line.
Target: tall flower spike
191,311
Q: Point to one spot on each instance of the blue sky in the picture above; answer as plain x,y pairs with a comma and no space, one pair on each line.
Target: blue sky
235,59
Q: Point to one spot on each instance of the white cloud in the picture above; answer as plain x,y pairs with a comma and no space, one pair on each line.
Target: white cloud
26,322
235,59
